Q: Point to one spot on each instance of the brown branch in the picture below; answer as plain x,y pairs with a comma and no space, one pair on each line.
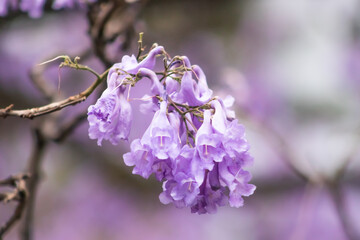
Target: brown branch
108,21
55,106
11,181
98,16
19,194
34,168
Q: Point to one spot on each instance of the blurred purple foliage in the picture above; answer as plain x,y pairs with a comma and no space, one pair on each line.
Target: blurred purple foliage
293,69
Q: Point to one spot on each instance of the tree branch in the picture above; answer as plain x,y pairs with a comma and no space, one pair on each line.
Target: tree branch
19,194
34,168
55,106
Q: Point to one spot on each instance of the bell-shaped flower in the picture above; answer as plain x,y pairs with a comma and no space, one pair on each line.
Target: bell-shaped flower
174,119
110,118
130,65
141,158
189,92
172,86
203,92
156,87
209,199
150,60
193,92
236,179
208,143
161,137
162,169
219,121
182,189
234,141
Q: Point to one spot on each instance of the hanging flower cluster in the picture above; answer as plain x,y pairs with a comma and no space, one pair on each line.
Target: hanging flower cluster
193,143
35,7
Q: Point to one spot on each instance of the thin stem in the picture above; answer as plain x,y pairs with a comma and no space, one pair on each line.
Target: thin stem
55,106
140,43
19,194
34,168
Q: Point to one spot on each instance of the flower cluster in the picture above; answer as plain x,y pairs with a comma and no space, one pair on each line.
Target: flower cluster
35,7
194,145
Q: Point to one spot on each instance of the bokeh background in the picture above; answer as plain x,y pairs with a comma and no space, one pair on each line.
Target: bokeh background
293,68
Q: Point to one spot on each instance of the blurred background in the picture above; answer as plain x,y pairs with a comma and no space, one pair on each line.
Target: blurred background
293,68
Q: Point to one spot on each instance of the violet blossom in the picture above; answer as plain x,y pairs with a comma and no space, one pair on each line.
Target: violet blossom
208,143
194,144
110,118
182,189
161,137
141,158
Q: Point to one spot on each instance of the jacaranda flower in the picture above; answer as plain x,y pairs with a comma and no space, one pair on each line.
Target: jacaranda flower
161,137
141,158
110,118
194,144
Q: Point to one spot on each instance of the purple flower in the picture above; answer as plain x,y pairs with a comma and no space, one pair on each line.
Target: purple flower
129,65
234,140
141,158
145,163
161,137
209,198
203,92
193,92
182,189
236,179
202,174
219,121
208,143
162,169
156,88
110,118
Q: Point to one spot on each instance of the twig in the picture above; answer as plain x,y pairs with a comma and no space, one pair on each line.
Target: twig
34,169
19,194
11,181
55,106
98,16
140,45
120,15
